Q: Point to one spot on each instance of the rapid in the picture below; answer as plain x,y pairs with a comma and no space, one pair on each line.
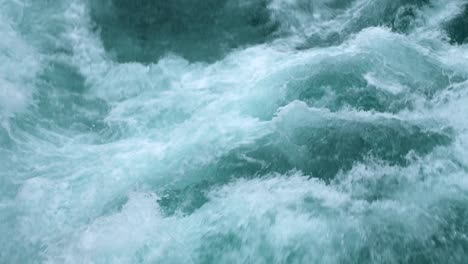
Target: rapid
234,131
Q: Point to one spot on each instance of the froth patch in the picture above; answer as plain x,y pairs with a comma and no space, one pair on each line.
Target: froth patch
18,69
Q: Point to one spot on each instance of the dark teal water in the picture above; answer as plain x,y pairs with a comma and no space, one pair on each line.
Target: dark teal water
234,131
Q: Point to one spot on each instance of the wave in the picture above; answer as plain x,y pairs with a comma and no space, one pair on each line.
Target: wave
284,131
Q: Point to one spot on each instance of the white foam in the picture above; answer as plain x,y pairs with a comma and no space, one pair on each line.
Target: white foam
387,85
20,64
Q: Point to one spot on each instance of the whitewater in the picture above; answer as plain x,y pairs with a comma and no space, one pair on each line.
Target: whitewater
233,131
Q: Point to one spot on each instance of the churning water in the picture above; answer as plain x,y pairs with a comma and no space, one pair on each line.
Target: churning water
234,131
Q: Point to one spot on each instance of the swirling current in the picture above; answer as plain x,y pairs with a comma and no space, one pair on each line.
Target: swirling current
234,131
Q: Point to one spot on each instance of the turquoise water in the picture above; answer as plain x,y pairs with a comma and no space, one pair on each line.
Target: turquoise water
234,131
